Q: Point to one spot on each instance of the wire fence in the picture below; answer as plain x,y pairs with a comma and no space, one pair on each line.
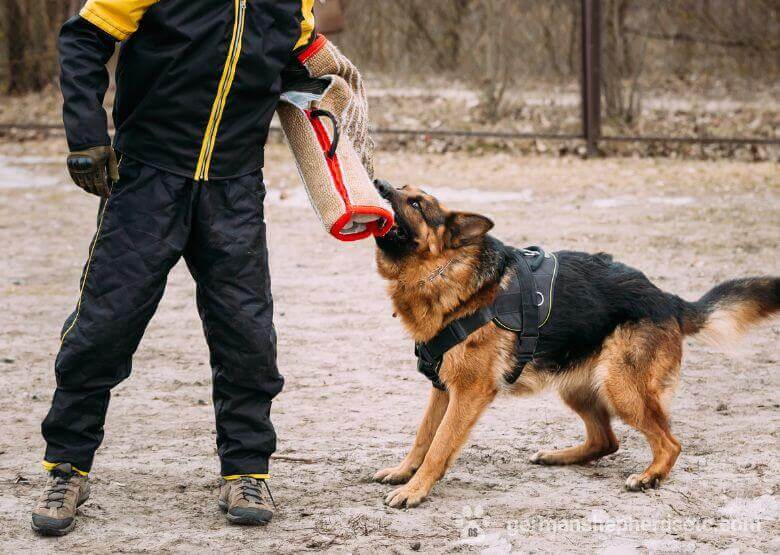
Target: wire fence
600,71
591,71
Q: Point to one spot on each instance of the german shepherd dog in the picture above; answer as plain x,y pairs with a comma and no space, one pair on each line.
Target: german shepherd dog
612,346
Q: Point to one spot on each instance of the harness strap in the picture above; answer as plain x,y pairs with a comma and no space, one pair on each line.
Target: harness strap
515,309
431,353
528,334
453,333
429,368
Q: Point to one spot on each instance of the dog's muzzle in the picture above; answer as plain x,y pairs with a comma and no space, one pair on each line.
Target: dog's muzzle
384,188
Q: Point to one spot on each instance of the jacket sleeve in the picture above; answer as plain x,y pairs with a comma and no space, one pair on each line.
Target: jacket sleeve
87,42
308,33
294,74
84,53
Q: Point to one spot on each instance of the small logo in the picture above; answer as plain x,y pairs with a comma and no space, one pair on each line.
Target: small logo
472,523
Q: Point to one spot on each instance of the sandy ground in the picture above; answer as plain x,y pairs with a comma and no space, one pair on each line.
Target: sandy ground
353,398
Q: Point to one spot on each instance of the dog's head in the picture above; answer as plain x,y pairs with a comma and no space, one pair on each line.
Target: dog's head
423,228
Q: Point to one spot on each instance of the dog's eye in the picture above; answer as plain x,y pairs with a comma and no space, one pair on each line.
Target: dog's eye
414,204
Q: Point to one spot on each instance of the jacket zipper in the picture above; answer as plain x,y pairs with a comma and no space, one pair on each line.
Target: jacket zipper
228,74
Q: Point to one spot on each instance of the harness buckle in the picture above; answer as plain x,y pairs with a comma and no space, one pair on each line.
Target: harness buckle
423,353
526,345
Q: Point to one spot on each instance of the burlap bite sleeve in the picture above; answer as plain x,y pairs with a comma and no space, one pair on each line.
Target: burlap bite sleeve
324,114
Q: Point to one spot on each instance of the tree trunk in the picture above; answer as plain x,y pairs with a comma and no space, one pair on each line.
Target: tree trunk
622,64
5,69
28,43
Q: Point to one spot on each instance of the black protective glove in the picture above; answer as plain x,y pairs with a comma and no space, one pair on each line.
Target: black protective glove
95,169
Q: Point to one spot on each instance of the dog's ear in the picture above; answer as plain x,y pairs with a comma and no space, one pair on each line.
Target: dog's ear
464,228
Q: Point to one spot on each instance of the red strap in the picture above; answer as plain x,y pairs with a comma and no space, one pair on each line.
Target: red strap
372,228
318,44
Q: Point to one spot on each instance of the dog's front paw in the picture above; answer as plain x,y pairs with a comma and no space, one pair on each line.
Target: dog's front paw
394,475
407,496
641,482
542,457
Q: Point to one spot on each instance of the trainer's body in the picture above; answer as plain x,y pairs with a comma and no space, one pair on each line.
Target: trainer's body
197,85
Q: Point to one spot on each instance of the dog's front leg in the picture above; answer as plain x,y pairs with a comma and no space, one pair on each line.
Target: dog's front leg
463,410
437,405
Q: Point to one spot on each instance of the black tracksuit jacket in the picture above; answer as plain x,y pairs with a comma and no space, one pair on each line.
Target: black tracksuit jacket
197,82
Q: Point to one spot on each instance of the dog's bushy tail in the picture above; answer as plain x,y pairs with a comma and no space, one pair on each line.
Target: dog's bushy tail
722,316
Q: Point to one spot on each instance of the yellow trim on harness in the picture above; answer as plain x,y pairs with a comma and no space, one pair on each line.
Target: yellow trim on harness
237,476
118,18
86,270
308,23
49,466
552,290
225,83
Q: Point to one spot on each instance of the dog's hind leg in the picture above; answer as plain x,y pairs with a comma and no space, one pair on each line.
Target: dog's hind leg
434,413
643,365
463,410
653,422
600,440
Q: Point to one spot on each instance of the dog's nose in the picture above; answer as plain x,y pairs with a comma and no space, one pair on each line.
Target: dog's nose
383,187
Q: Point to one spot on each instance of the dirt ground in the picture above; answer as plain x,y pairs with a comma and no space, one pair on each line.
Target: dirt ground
353,398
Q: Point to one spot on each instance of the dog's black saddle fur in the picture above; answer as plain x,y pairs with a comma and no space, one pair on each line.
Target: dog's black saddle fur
523,306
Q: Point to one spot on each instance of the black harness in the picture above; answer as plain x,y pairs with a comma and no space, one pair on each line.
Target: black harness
523,306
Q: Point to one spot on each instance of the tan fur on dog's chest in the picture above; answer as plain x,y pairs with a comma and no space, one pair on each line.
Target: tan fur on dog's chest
481,360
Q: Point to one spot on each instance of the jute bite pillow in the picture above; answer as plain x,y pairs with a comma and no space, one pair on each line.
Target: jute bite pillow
324,115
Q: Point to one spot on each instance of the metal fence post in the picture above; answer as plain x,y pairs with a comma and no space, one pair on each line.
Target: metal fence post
591,75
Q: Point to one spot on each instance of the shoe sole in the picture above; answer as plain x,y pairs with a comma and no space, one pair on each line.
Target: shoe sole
243,520
46,531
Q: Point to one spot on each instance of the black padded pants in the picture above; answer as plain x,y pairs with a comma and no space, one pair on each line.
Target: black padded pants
151,219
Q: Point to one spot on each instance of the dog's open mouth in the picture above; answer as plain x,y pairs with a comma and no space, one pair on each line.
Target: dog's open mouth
396,241
397,233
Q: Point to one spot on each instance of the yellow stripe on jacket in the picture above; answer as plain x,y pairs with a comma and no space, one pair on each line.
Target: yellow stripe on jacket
307,25
118,18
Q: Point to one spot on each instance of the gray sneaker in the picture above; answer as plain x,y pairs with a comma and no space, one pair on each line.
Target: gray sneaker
55,514
245,501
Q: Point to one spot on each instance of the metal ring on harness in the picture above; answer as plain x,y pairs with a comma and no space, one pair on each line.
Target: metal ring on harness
336,131
541,298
